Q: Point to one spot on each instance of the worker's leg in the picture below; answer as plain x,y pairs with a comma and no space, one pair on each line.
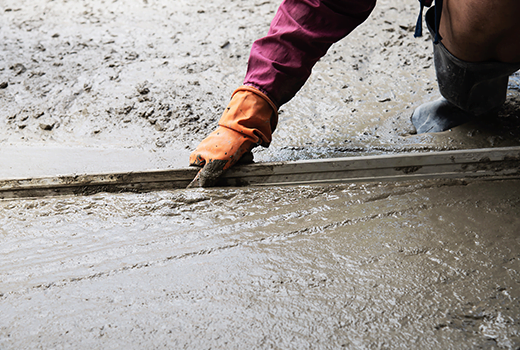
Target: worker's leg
482,30
476,85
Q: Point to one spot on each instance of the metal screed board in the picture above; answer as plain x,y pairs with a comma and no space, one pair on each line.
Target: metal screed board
490,163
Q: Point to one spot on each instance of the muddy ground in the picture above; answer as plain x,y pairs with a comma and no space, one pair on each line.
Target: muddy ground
128,85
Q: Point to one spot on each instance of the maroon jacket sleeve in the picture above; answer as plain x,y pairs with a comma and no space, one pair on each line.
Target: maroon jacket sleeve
300,34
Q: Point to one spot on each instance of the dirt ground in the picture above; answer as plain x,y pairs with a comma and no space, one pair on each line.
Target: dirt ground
96,86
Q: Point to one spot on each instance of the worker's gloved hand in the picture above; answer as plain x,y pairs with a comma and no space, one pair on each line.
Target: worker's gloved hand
248,121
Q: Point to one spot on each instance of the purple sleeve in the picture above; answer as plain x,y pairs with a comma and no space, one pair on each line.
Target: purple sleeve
300,34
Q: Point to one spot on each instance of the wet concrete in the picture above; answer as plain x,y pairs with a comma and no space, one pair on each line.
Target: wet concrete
428,264
144,75
38,160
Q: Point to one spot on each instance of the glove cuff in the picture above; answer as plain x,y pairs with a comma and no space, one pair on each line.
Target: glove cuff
251,113
259,93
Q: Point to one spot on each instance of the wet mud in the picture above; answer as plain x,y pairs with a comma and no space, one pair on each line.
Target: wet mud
432,264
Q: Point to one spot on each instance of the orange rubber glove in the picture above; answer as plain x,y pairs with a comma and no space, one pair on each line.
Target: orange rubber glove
248,121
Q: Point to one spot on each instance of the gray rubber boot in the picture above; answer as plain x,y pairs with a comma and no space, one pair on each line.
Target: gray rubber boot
437,116
469,89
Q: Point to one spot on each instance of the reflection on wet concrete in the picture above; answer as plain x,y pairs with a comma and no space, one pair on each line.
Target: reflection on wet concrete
427,264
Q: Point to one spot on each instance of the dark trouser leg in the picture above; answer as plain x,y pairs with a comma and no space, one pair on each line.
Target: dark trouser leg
469,89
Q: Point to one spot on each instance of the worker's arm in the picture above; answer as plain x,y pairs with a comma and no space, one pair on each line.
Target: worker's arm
300,34
279,64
